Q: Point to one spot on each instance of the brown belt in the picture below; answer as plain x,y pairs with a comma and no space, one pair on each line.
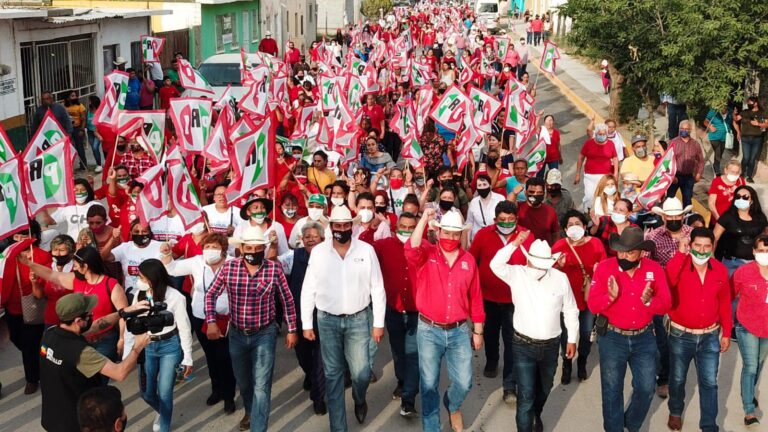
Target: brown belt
713,328
444,326
629,332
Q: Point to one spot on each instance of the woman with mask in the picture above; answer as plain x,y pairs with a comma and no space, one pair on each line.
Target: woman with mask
630,183
616,222
751,122
168,347
289,213
659,148
316,211
738,227
580,255
722,188
482,208
71,219
115,189
606,195
62,250
131,254
495,171
221,216
551,138
598,158
396,191
203,269
382,208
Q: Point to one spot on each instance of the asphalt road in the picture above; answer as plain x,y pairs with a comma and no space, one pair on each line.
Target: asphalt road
572,408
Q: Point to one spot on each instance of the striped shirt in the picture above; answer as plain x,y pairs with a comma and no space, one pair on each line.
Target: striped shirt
688,155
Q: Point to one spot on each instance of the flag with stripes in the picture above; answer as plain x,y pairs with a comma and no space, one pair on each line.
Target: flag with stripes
655,187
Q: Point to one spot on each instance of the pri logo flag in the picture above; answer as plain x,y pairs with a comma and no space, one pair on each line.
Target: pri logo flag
115,91
485,108
7,151
451,108
152,203
48,133
216,149
658,183
48,178
13,207
328,92
519,105
502,45
412,150
424,103
151,47
191,79
253,161
184,199
535,152
402,122
255,102
192,120
549,57
148,127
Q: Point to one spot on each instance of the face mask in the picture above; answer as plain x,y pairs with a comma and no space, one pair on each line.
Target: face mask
258,217
732,177
123,182
81,197
366,215
446,184
536,273
601,138
627,264
741,204
657,155
403,236
337,201
62,260
762,258
674,225
484,192
289,213
685,134
492,161
575,232
506,69
301,179
618,218
212,256
78,275
88,324
141,239
641,152
141,285
396,183
535,200
449,245
446,205
419,181
315,213
506,228
253,258
610,190
297,156
197,228
121,148
700,258
342,237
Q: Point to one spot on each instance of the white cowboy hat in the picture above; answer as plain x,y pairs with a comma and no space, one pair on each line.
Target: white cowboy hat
341,214
119,61
672,207
451,221
251,235
268,33
540,255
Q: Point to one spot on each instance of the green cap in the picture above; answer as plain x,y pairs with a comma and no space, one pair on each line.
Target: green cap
74,305
318,199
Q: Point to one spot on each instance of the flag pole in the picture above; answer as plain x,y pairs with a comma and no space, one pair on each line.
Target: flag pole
114,151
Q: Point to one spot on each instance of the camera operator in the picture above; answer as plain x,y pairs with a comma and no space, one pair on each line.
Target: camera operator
170,344
69,366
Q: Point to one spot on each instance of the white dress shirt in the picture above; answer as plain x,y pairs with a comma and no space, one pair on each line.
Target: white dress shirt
202,277
481,212
343,286
538,303
177,305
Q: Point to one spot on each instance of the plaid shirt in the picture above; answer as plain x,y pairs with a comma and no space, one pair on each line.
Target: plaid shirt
607,227
137,166
666,246
251,298
688,155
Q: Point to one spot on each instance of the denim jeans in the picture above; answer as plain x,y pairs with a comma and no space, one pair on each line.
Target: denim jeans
535,366
586,322
754,351
717,150
685,183
498,320
536,38
401,328
521,69
95,146
434,345
733,263
675,114
344,338
529,38
616,351
253,361
160,360
547,166
751,147
108,348
704,350
78,139
662,345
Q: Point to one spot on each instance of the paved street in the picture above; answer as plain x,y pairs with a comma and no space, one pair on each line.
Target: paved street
572,408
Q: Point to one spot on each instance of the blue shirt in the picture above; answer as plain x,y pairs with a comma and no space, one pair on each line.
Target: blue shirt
512,183
720,123
132,98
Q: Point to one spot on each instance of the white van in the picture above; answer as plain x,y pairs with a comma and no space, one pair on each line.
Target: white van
221,70
487,12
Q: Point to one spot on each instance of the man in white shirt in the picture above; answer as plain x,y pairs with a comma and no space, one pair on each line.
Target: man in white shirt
343,278
540,294
482,208
131,254
522,64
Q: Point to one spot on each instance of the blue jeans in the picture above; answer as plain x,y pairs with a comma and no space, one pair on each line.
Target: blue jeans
434,345
547,166
535,367
586,322
616,351
704,350
343,339
78,140
685,183
662,344
498,320
733,263
253,361
751,147
95,147
401,328
160,360
754,351
529,38
108,345
675,114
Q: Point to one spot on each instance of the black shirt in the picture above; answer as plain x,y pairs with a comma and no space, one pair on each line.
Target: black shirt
739,236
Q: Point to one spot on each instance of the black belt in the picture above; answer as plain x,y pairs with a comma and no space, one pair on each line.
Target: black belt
347,315
444,326
164,336
250,332
531,341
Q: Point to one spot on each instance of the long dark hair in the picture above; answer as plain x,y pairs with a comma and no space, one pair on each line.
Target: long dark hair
154,270
755,210
88,189
90,256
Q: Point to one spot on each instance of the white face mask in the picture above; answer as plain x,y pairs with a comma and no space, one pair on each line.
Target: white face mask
732,177
212,256
575,232
618,218
610,190
141,285
700,259
366,215
536,273
403,238
762,258
80,198
315,213
337,201
289,213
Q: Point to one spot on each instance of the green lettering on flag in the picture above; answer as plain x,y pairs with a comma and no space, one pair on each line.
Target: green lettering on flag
261,155
52,175
9,192
448,102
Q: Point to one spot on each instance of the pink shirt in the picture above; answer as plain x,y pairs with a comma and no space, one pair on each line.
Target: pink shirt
751,288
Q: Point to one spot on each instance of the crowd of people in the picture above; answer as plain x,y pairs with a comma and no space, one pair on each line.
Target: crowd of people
444,255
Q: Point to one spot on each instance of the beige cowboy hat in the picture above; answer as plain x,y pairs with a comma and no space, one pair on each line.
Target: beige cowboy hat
451,221
672,207
540,255
340,214
250,235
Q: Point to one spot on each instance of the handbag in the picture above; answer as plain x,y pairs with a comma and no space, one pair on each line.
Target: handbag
587,281
728,136
32,308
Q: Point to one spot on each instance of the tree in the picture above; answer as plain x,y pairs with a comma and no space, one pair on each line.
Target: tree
370,8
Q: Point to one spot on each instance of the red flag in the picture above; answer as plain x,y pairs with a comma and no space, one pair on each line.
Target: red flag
183,196
151,204
655,187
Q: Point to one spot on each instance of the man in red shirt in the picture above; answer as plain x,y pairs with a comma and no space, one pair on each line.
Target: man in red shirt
700,324
538,217
268,45
628,291
497,300
447,295
375,112
292,55
537,25
402,316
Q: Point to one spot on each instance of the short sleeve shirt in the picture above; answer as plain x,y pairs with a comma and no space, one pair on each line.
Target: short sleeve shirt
91,362
598,157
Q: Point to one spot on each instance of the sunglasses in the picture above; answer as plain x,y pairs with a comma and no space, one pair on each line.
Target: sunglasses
745,197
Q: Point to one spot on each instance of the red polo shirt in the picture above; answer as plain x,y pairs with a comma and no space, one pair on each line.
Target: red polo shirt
590,253
698,305
627,311
444,293
752,290
484,247
20,283
398,275
541,220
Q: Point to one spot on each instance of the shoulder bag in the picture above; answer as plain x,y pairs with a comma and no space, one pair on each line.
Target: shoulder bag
587,280
32,308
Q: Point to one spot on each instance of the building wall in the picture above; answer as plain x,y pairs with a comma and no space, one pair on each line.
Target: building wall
334,14
302,23
185,14
11,87
274,17
245,33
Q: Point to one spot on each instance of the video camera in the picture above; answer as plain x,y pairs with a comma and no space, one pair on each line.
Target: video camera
154,321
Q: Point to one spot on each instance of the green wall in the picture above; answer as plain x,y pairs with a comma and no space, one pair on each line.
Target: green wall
208,31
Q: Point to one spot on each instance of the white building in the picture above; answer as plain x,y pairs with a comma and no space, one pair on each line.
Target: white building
335,14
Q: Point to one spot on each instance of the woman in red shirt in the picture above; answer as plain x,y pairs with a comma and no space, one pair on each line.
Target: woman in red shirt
580,255
598,157
62,250
722,189
554,156
381,204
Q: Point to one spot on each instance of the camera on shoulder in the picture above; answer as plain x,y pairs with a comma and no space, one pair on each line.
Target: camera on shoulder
157,318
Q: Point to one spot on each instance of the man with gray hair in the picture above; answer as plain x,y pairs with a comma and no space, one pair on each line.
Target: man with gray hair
690,163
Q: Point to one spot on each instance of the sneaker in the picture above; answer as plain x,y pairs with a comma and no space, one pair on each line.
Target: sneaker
319,407
509,396
398,392
98,169
491,370
751,421
750,180
156,424
245,422
229,406
407,409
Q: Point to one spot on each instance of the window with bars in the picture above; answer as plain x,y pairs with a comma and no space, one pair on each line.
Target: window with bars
225,32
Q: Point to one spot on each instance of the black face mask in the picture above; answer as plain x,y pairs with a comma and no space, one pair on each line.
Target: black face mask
535,200
484,192
674,225
342,237
63,260
446,205
141,239
446,184
79,275
254,258
121,148
627,264
381,209
554,191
